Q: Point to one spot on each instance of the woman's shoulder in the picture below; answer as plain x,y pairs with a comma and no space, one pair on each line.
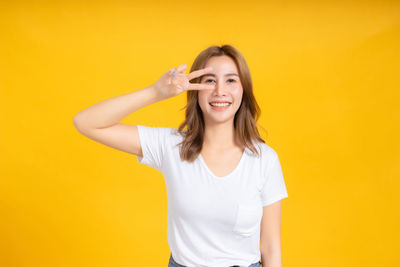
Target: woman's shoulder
161,129
173,132
171,135
164,133
266,152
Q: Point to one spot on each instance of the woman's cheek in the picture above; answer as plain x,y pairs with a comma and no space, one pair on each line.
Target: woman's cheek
202,99
237,92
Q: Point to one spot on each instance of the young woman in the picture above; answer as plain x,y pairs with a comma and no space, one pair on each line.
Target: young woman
224,184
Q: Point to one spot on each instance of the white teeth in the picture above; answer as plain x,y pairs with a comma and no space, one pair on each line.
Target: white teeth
220,104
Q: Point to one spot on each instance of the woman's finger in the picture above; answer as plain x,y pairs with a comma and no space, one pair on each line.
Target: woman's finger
181,68
171,70
198,73
200,86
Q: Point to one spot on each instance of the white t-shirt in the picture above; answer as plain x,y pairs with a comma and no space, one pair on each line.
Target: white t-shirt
213,221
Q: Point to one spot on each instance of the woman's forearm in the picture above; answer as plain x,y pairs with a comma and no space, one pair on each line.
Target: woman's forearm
111,111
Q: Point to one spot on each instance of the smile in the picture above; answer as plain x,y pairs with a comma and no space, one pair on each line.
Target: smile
220,106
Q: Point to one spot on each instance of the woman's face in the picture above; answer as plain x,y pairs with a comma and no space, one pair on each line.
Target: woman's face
228,88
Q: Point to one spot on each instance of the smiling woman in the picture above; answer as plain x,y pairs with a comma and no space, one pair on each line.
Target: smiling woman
225,184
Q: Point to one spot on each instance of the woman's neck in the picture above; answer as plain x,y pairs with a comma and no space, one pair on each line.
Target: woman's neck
220,137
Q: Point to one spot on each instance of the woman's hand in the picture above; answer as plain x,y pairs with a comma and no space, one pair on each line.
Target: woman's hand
175,81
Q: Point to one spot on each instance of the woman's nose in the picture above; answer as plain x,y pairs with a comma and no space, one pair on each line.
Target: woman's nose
220,87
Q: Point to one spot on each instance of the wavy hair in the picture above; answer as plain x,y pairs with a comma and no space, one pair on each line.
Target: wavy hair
245,120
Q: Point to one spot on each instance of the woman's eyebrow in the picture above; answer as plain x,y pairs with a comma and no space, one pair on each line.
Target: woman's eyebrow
213,75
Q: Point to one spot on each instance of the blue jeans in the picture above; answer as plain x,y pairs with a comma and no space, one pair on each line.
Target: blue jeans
173,263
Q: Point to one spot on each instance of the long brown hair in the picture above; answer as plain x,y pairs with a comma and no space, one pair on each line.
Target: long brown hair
245,121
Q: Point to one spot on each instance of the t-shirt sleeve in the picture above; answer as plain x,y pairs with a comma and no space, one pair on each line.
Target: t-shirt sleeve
274,188
153,141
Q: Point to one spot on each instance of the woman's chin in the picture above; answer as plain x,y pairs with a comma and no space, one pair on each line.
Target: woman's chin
220,118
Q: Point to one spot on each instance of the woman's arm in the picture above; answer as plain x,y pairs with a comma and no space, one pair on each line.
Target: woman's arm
110,111
100,122
270,239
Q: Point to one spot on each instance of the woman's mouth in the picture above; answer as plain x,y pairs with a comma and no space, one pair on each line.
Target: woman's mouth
220,106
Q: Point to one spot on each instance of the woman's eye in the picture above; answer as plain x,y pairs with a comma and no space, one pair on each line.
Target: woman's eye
230,80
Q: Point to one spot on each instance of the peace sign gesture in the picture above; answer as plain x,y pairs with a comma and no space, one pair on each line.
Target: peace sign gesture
175,81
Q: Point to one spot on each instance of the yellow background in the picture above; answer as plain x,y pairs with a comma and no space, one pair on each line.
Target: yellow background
325,73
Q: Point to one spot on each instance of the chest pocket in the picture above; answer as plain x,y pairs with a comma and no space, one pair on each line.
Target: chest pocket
248,218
